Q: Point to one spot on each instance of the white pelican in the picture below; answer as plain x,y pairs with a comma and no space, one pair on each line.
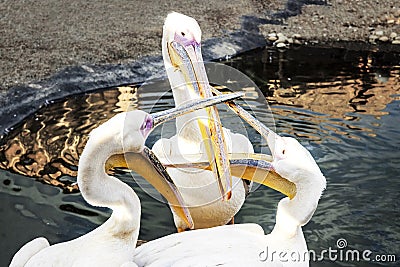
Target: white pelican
113,243
246,244
186,73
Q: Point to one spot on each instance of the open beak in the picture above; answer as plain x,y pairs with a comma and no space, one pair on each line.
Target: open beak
147,165
188,59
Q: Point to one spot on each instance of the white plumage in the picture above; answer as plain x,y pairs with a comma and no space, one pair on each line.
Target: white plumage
113,243
198,187
247,245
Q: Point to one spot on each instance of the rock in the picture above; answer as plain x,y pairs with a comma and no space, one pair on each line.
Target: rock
372,39
393,35
290,40
396,42
281,45
281,35
281,38
379,33
272,38
390,21
297,36
384,39
296,42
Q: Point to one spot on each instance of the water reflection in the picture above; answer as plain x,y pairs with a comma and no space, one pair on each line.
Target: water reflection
344,106
47,145
345,110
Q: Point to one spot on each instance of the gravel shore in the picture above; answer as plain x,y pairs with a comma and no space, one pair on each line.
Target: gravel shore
39,38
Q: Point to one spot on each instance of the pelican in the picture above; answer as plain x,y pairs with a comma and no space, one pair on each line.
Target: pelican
188,79
113,243
246,244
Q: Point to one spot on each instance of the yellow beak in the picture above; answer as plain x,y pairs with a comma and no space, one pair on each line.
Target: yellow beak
252,167
189,61
149,167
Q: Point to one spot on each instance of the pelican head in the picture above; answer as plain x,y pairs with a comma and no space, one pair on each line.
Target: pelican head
181,49
295,163
180,32
290,159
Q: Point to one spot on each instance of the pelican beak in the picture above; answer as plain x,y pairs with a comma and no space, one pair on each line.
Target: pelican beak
147,165
186,57
252,167
263,130
262,172
190,106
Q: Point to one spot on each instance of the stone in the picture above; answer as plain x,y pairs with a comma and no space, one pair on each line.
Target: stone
281,35
272,38
297,36
296,42
396,42
379,33
384,39
372,39
281,45
393,35
281,38
280,41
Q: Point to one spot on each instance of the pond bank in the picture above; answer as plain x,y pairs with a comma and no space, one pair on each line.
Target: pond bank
40,38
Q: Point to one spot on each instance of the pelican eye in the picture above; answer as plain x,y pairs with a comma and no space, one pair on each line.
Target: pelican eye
283,152
183,34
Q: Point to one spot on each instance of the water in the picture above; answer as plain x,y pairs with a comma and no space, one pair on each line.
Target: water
344,106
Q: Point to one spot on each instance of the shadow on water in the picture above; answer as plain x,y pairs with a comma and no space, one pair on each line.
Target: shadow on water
342,105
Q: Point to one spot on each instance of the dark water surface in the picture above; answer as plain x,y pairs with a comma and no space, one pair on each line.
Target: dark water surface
344,106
